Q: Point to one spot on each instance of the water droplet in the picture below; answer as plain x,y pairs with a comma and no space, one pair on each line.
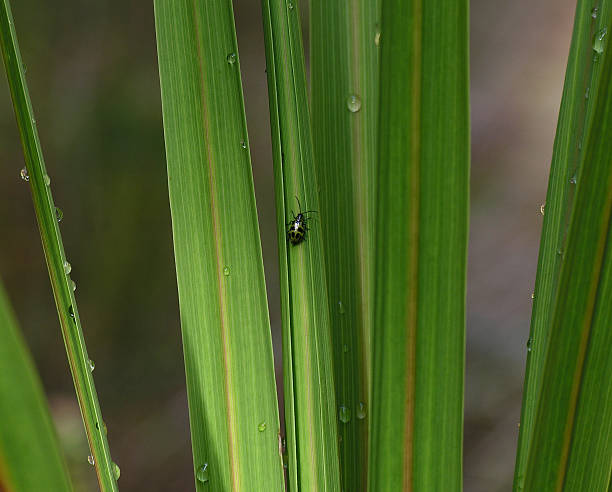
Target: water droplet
25,69
226,271
243,144
261,427
594,13
67,267
344,414
231,58
353,103
345,348
361,411
542,208
202,473
72,285
529,344
341,307
586,92
559,252
59,215
24,174
47,179
116,470
71,313
33,120
90,460
598,43
377,37
290,6
92,365
533,295
573,179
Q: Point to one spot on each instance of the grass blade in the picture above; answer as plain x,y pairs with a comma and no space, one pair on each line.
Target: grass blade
582,81
571,446
310,409
224,315
344,72
421,241
54,254
29,451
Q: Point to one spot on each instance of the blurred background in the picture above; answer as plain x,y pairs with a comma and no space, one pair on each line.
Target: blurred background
93,78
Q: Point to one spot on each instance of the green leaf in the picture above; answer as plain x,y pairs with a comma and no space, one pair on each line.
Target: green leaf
421,241
571,441
57,264
344,71
310,405
224,316
582,83
29,450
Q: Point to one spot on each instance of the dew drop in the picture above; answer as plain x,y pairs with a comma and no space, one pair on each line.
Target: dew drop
243,144
586,92
573,179
529,344
377,37
90,460
92,365
290,5
202,473
353,103
361,411
116,470
24,174
344,414
261,427
33,120
231,58
226,271
67,267
59,215
533,295
598,43
47,179
72,285
594,12
341,307
71,313
542,208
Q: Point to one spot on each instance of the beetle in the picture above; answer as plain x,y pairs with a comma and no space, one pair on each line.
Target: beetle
298,225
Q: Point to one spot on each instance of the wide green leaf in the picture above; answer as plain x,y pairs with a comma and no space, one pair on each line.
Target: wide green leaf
310,404
58,266
421,241
224,316
571,442
344,43
29,450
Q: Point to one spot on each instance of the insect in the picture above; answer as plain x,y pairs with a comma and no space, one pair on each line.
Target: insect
297,227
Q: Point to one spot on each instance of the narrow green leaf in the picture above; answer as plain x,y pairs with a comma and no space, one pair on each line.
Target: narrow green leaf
344,71
582,81
29,451
421,242
224,315
46,215
571,444
310,405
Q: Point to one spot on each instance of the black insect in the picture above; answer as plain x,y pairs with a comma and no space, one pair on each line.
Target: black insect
298,227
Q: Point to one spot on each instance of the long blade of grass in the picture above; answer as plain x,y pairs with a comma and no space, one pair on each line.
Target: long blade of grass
571,444
421,242
54,254
310,409
344,73
582,81
29,451
224,315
